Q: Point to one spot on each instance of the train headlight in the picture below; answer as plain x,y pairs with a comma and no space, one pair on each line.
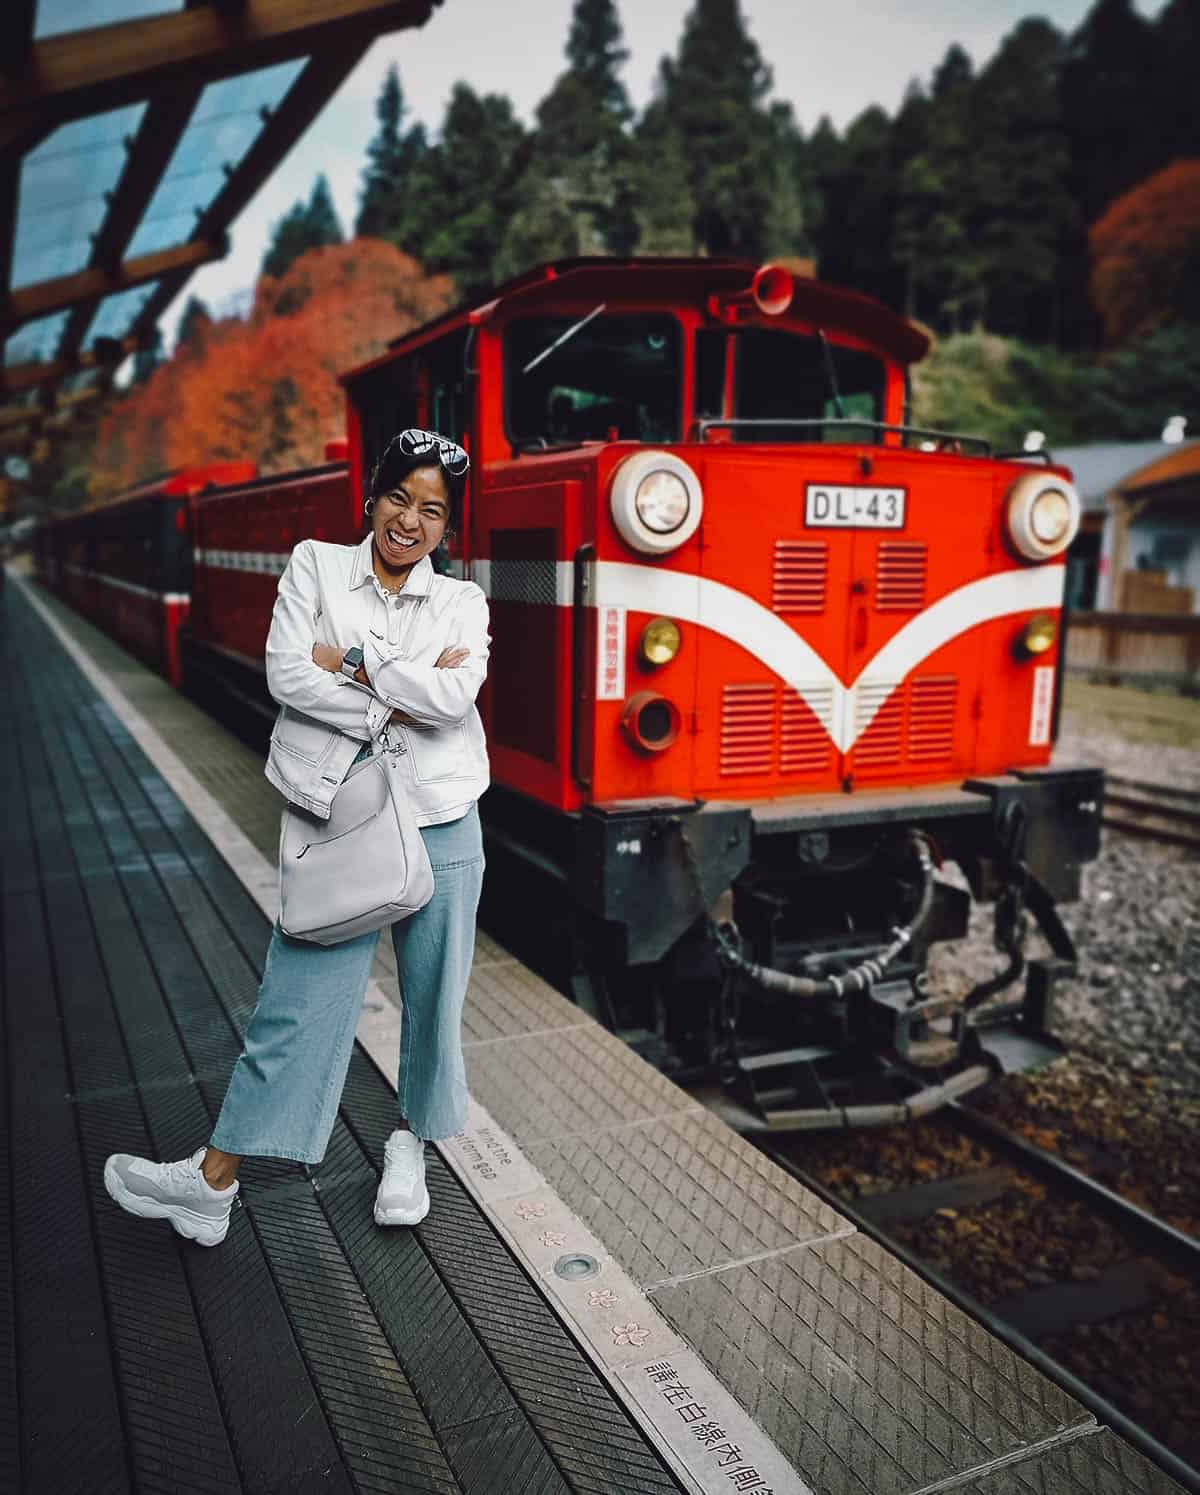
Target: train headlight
650,721
661,501
1043,515
1050,516
660,641
656,502
1039,634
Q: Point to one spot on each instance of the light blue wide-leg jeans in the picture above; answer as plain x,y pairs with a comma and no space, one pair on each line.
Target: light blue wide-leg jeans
285,1088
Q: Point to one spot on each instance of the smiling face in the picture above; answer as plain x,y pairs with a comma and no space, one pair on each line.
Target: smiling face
408,523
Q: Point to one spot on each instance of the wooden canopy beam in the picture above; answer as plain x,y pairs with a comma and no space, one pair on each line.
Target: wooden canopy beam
87,72
50,296
12,416
16,39
20,376
308,95
16,35
158,135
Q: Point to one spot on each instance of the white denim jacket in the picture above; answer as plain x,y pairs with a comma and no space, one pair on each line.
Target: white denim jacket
329,594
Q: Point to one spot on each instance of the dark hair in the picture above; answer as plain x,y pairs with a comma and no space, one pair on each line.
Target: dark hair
394,466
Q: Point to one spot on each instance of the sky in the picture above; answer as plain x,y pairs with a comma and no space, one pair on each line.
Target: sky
833,59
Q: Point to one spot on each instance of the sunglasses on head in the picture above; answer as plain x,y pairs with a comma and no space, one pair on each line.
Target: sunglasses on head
415,443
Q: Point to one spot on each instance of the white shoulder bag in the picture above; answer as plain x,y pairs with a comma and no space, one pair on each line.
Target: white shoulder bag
364,867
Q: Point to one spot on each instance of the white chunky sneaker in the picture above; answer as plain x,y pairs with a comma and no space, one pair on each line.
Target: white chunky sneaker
178,1192
403,1198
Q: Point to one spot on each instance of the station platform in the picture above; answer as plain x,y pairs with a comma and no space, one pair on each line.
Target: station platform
612,1293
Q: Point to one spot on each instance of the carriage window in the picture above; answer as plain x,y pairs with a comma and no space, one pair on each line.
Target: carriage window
622,372
426,389
385,406
710,372
781,376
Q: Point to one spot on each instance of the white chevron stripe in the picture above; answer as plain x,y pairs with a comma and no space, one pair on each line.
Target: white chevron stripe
734,615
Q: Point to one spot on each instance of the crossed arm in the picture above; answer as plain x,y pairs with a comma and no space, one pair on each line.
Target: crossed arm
329,657
388,687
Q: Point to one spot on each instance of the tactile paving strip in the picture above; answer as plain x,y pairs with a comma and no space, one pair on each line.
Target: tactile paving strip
1099,1464
681,1195
505,1001
572,1081
866,1377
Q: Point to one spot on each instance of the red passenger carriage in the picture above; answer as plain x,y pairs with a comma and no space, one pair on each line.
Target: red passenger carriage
126,563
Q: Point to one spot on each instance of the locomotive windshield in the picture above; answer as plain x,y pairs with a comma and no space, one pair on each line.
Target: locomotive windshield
622,372
782,376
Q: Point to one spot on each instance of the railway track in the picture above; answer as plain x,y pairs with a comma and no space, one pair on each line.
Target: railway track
1153,812
1053,1309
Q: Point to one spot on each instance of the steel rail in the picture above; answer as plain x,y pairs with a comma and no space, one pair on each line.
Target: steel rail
1144,832
1166,1238
1145,1442
1148,786
1182,812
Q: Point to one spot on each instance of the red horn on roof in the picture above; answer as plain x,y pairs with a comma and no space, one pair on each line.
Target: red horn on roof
769,292
772,289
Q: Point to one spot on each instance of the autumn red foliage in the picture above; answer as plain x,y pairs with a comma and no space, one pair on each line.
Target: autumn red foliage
1145,253
265,388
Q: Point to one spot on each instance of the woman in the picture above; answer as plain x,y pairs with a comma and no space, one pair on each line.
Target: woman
370,651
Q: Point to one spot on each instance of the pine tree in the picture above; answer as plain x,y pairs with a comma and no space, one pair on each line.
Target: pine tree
714,95
193,324
462,192
323,222
596,54
948,268
305,226
391,158
1109,61
1020,216
579,183
858,188
1172,96
542,228
786,234
666,209
148,357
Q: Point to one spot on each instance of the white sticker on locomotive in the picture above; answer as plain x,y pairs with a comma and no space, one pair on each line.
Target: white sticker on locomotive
1043,705
829,507
610,654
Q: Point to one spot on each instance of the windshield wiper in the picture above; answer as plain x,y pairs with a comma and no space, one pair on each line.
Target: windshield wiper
831,374
559,341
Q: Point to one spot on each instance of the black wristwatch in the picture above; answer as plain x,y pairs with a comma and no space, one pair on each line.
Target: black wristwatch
352,662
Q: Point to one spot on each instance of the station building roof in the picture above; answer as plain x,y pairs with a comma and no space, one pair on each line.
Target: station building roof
132,134
1107,467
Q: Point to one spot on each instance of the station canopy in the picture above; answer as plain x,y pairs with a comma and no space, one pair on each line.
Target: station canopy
132,134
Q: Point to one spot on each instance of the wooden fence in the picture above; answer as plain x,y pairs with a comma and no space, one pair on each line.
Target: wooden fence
1136,648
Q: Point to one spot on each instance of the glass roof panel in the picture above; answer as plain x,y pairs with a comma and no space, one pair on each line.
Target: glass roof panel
225,125
36,341
56,16
61,198
115,314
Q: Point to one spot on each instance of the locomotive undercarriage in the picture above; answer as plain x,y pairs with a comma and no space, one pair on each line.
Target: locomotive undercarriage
777,958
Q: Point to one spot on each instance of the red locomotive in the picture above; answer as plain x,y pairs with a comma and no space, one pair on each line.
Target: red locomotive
763,654
751,632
